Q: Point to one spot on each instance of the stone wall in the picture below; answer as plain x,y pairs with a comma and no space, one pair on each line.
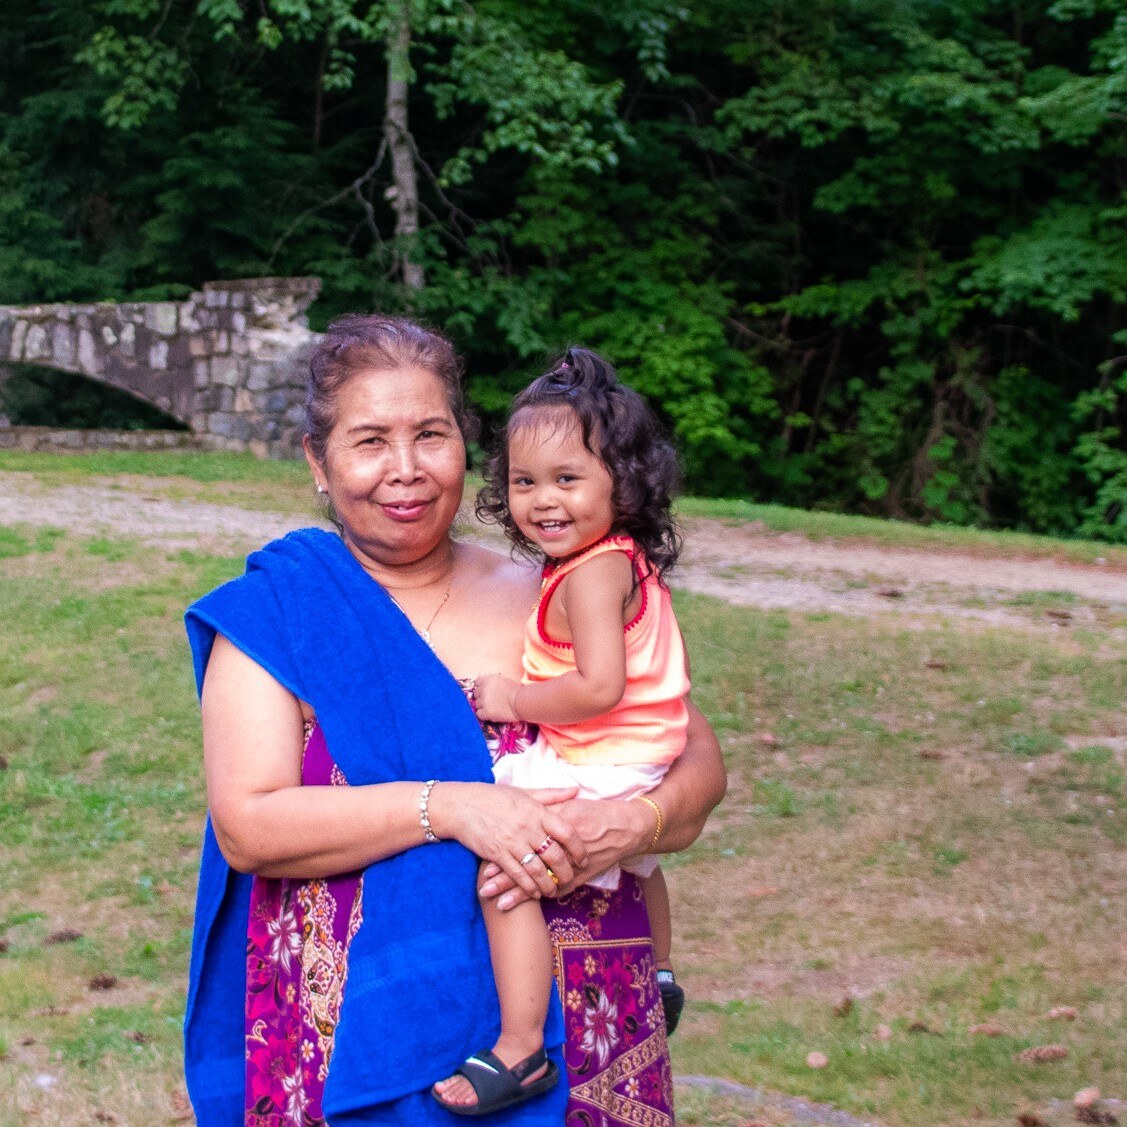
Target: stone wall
230,361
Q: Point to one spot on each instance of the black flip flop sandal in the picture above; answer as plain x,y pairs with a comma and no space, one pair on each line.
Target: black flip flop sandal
672,1000
497,1086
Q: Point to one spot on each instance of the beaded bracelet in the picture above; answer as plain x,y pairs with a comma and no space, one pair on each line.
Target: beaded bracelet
660,820
424,812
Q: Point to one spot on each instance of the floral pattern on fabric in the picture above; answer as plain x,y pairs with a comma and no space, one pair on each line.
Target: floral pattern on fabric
615,1048
501,738
616,1051
324,966
298,933
298,936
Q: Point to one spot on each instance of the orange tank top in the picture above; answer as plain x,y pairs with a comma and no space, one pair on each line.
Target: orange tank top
650,723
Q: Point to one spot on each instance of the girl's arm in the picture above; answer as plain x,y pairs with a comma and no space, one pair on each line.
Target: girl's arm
592,598
266,822
614,830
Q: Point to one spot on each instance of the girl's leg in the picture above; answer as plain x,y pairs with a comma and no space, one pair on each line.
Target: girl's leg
522,968
661,925
661,917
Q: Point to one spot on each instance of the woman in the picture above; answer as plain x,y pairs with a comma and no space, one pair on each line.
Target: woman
337,742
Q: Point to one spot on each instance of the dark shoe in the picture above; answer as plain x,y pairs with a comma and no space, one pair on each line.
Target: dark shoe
498,1087
672,999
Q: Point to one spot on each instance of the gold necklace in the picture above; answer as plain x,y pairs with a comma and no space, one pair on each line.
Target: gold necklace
424,633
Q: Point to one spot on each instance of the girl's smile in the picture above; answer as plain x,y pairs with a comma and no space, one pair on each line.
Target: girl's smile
560,493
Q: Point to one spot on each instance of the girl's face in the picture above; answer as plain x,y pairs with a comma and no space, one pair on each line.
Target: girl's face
560,494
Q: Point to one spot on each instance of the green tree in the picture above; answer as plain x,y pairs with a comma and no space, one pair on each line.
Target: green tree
860,254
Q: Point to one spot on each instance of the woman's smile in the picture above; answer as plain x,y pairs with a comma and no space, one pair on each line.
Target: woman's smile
405,511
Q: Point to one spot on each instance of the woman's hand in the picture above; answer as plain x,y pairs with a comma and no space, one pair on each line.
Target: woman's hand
611,830
518,831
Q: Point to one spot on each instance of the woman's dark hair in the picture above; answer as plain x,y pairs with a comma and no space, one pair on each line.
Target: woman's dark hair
619,428
364,342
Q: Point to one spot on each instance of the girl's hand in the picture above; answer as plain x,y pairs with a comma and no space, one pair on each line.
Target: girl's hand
495,698
505,825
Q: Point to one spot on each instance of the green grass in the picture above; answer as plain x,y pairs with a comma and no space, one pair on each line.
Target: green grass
100,803
23,542
983,884
945,842
196,465
945,1074
902,534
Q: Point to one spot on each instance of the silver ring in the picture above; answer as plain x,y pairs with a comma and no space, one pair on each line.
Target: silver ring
527,858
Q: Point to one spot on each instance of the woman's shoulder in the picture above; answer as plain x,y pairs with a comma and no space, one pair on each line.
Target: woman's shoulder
482,629
500,573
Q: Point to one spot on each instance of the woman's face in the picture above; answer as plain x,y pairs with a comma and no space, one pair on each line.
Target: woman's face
394,465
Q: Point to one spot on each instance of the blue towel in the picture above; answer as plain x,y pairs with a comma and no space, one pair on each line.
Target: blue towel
420,996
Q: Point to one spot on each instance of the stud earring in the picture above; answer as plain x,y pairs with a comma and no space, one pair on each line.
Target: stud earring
320,488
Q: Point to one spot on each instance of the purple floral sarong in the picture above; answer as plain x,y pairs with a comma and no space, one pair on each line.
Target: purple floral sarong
297,963
615,1048
298,934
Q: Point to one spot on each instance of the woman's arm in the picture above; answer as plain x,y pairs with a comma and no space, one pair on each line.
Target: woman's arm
267,823
613,829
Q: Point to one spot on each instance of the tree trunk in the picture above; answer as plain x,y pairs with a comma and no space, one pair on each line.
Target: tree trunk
405,193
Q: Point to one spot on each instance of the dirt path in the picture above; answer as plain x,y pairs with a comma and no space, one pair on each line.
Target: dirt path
121,510
748,566
743,564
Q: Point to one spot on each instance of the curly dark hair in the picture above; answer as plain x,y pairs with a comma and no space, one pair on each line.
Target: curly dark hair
619,428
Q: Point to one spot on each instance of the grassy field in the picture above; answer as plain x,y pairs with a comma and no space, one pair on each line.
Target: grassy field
927,821
930,824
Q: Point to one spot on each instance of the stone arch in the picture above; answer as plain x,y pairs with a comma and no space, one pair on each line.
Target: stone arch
59,393
229,361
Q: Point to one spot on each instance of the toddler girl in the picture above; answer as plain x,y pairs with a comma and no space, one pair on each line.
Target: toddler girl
584,481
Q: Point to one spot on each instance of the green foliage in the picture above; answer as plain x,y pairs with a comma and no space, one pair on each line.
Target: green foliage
537,101
866,256
145,76
962,311
38,260
1028,460
1102,453
221,193
1072,254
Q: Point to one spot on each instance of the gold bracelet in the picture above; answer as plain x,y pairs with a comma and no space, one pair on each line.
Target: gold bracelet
660,820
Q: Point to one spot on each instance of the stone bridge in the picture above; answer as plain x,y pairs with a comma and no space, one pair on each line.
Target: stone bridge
230,362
